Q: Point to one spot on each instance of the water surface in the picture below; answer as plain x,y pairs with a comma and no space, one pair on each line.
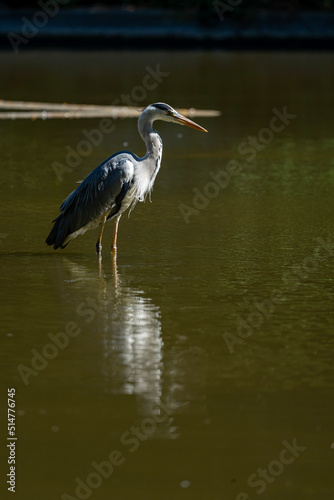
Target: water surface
207,345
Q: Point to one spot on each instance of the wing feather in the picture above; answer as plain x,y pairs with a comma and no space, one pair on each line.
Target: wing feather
102,190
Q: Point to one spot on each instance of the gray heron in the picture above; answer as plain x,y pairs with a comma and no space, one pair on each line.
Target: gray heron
115,185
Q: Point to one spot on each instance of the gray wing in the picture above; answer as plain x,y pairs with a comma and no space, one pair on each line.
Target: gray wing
102,190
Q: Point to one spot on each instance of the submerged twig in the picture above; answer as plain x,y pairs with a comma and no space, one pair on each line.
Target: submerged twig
45,111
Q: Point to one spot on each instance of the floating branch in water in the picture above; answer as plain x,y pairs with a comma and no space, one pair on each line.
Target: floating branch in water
48,110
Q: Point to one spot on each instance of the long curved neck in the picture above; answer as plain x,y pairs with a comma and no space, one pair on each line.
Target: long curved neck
151,138
153,148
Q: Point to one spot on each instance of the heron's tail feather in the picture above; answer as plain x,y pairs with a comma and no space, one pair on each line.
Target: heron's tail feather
58,233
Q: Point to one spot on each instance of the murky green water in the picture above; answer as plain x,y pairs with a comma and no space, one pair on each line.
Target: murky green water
206,350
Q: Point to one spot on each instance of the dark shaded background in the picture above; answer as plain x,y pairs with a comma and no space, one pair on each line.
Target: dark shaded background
202,6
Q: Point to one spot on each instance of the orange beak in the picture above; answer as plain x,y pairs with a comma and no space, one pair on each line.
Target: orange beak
185,121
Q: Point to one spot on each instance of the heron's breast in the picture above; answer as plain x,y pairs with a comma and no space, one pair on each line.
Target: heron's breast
128,199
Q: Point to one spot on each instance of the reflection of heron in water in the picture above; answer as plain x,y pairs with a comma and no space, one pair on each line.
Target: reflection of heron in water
127,327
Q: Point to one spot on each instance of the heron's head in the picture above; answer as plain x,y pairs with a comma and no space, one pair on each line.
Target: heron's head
162,111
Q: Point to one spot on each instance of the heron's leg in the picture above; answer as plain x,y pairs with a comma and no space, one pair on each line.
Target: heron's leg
114,246
98,243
